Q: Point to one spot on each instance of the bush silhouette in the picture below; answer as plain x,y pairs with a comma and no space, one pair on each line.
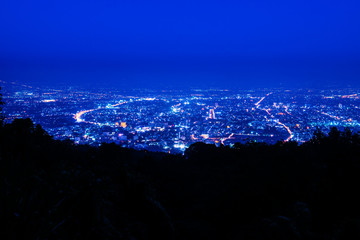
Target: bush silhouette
53,189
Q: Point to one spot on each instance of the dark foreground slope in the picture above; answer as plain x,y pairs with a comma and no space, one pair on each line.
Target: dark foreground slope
56,190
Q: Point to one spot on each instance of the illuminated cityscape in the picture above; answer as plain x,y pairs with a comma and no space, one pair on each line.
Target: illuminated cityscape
170,121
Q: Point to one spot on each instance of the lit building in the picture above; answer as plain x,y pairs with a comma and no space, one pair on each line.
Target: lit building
212,114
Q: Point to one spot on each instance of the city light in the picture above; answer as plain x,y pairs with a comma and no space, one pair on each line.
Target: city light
173,122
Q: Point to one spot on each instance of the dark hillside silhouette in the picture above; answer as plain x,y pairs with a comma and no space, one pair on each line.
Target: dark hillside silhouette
1,114
57,190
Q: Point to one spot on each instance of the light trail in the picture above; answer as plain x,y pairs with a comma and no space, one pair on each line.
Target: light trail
278,122
262,99
288,130
222,140
282,124
267,111
231,136
258,103
349,96
286,110
332,116
78,115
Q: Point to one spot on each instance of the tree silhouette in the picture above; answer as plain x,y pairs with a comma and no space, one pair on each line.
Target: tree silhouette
1,112
53,189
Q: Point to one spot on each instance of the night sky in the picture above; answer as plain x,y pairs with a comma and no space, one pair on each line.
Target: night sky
181,44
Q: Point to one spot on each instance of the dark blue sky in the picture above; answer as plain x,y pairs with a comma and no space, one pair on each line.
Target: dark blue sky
169,44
